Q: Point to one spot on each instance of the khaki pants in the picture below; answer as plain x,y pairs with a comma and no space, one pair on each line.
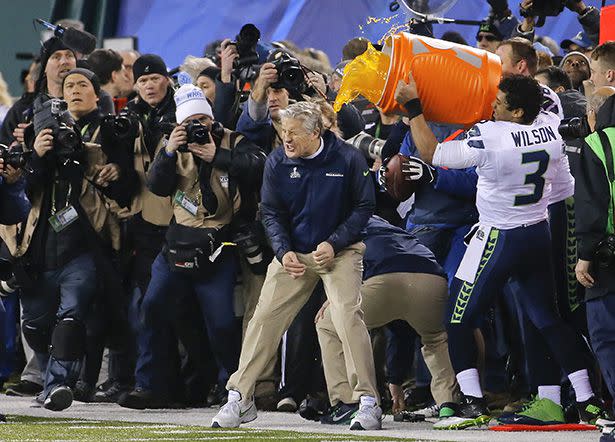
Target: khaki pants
281,299
418,298
252,285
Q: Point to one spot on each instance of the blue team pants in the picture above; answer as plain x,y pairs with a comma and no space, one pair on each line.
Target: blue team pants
524,254
601,324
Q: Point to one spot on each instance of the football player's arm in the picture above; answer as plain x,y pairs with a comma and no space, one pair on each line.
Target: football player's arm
424,139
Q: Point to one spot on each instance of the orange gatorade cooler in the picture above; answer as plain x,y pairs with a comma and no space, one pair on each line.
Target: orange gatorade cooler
457,84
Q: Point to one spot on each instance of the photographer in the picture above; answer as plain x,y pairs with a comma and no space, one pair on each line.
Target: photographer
56,60
212,175
68,183
595,200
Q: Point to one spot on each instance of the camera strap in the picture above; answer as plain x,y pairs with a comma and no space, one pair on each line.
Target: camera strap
608,154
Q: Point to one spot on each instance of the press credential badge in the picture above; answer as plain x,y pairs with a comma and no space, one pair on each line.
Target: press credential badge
62,219
186,203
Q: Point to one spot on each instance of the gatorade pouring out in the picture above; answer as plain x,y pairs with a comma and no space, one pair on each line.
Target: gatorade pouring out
457,83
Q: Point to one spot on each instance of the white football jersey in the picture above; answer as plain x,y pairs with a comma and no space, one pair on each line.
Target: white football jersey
562,186
516,165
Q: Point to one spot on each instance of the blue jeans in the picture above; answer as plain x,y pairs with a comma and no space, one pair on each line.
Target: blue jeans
166,290
8,334
66,292
601,324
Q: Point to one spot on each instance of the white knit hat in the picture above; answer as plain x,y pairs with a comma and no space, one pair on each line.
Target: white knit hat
189,100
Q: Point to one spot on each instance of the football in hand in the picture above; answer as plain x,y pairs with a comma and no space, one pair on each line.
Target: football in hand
396,183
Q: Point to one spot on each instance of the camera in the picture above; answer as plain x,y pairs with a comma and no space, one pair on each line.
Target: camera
605,255
8,286
15,156
53,114
197,133
371,147
250,238
290,74
124,125
246,42
544,8
574,127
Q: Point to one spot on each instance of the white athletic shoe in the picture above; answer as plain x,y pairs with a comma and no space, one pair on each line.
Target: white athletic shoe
287,405
429,412
369,416
232,414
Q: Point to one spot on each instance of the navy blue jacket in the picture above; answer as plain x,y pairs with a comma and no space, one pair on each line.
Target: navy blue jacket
450,200
328,198
390,249
14,205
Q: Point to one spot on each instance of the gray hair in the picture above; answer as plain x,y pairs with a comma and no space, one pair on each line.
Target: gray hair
309,113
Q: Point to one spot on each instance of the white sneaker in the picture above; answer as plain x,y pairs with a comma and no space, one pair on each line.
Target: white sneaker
287,405
429,412
232,414
369,416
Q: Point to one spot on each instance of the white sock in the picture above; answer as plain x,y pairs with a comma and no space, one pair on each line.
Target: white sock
368,400
551,392
580,383
234,396
469,382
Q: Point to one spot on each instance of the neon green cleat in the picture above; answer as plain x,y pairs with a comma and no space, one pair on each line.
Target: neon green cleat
536,412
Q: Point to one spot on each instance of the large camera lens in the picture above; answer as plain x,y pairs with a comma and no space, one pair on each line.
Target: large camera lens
370,146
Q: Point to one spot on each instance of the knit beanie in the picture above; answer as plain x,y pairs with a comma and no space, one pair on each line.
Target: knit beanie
190,100
149,64
91,76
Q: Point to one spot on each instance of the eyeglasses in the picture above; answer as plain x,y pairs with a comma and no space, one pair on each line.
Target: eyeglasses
490,38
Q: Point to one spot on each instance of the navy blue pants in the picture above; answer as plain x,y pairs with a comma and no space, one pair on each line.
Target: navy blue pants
159,307
63,293
524,254
601,324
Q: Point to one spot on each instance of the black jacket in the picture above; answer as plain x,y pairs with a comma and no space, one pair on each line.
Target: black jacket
153,118
20,112
592,199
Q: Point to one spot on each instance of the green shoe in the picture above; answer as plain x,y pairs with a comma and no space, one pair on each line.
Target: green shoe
536,412
472,412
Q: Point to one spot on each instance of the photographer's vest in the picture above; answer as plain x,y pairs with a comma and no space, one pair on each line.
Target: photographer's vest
602,143
19,236
154,209
188,182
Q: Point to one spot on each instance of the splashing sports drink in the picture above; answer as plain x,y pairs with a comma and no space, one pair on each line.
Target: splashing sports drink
457,84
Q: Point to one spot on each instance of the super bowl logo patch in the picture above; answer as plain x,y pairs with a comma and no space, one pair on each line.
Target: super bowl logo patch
295,174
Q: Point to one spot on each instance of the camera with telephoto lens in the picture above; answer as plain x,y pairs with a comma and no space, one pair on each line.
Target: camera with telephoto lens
124,125
370,146
250,238
8,286
53,114
605,254
245,42
574,127
197,133
14,156
290,74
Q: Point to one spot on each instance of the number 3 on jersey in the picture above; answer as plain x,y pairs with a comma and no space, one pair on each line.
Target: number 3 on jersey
536,178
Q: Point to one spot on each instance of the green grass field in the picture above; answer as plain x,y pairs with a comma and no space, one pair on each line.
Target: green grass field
22,428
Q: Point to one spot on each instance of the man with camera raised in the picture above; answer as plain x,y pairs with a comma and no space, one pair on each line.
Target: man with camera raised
56,60
54,251
212,175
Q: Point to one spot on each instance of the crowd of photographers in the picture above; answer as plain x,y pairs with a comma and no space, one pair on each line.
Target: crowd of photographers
134,254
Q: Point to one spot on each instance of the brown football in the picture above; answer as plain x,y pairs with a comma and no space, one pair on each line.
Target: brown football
397,186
